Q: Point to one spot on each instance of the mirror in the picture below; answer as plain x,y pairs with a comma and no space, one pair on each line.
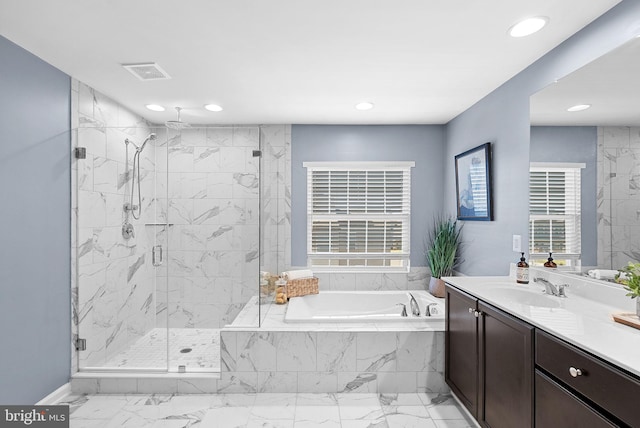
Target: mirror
605,140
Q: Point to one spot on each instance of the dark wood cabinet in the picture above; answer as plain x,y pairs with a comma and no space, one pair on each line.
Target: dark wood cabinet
509,374
489,361
506,369
461,348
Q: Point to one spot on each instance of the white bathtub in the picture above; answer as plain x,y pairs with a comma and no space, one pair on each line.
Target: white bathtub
361,306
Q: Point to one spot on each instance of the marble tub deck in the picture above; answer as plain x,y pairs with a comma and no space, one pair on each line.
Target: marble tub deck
247,320
288,410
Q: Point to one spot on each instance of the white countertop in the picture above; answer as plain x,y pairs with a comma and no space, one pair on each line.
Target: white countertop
583,318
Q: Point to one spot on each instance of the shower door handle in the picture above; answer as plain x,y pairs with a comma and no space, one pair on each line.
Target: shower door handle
156,255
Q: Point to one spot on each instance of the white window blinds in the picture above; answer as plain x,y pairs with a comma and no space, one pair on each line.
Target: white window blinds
554,213
358,215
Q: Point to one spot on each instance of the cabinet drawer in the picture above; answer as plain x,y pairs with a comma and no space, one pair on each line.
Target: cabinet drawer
608,387
557,407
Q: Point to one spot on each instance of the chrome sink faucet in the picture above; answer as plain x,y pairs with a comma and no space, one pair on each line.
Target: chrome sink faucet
550,288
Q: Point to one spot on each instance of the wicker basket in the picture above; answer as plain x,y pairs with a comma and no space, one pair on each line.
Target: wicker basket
302,287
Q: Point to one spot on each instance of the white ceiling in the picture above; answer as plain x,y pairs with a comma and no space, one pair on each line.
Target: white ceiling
293,61
611,84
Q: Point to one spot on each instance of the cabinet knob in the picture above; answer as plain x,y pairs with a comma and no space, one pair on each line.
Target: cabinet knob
574,372
471,310
477,313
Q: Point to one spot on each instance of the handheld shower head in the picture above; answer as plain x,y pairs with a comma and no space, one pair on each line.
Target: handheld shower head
151,136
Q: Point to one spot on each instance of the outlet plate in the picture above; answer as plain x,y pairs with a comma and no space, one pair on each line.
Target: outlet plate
517,243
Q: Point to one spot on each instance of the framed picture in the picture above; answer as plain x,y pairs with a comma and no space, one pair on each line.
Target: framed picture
473,184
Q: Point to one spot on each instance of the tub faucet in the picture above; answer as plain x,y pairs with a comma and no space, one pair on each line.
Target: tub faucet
415,310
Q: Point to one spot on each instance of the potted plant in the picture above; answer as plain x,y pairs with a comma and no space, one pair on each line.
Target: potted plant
629,277
442,252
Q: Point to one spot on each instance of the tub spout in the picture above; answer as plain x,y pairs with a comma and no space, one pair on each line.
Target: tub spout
415,310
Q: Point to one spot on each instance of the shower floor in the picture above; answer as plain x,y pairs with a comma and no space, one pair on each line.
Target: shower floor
150,351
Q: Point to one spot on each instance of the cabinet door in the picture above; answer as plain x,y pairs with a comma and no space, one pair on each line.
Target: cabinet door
461,348
557,407
506,369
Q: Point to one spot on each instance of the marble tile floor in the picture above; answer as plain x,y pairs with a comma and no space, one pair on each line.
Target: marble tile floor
286,410
150,351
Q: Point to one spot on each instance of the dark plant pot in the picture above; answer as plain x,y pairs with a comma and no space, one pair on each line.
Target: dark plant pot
436,287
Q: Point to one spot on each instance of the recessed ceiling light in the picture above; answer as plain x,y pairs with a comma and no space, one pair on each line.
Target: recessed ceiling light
528,26
364,106
579,107
213,107
154,107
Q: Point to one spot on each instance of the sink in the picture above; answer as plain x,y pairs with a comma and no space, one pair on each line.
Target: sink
526,297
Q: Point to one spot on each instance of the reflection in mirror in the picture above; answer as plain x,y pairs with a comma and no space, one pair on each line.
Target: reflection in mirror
603,142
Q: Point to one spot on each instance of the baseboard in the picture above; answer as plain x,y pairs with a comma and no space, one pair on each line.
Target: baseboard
56,396
465,410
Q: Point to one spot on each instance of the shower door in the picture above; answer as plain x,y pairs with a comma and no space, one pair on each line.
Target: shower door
213,270
121,232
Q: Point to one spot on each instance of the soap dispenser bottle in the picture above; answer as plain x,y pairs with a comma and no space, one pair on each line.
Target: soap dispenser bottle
550,263
522,271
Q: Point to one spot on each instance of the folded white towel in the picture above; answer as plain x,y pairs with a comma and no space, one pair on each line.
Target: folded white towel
603,273
297,274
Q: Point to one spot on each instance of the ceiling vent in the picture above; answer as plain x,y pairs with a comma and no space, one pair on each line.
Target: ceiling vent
148,71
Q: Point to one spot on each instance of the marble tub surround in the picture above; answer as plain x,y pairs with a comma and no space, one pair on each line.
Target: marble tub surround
332,357
583,318
618,188
290,410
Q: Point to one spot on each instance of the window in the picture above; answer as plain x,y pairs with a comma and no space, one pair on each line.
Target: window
358,215
554,213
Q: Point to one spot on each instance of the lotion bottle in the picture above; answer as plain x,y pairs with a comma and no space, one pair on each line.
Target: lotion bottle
550,263
522,271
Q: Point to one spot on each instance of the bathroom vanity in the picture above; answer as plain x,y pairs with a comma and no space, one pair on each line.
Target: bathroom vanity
516,357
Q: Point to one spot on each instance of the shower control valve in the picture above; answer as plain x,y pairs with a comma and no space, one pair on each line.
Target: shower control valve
127,231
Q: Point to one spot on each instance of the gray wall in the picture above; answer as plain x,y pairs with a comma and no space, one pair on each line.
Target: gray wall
35,301
502,117
423,144
573,144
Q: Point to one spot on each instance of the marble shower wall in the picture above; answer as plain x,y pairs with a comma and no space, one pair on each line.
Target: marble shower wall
275,204
618,197
213,207
113,298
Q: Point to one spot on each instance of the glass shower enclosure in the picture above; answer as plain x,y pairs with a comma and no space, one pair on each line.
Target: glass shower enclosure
168,251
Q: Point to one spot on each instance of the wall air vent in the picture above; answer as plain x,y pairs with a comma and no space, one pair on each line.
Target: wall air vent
147,71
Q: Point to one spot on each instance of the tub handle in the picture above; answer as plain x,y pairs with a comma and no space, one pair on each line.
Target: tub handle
404,309
427,310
